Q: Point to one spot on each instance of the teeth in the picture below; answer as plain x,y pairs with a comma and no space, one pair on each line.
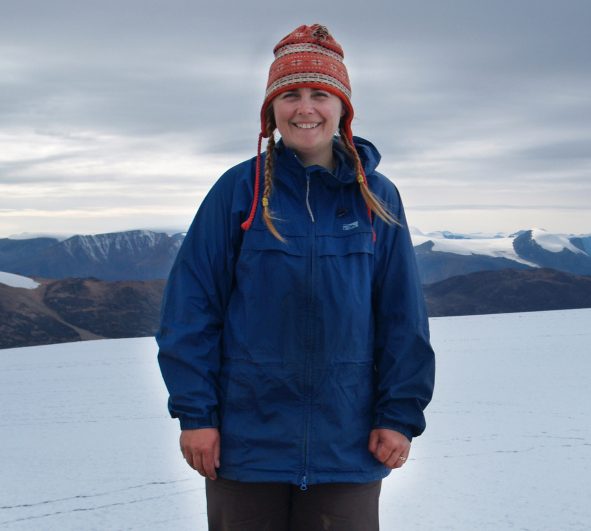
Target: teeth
306,126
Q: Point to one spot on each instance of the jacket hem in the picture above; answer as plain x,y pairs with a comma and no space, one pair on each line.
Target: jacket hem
314,478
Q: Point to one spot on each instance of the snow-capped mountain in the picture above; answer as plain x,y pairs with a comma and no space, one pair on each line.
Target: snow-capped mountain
556,251
144,254
443,254
583,242
129,255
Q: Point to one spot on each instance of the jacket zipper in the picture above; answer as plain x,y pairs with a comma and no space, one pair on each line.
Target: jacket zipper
310,342
308,197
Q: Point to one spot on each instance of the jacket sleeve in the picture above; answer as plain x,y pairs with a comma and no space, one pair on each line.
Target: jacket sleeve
193,307
404,359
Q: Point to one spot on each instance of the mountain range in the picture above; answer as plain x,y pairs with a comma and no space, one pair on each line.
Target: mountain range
443,255
129,255
110,285
147,255
75,309
507,291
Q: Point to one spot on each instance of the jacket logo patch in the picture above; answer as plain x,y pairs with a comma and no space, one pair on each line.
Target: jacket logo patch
351,226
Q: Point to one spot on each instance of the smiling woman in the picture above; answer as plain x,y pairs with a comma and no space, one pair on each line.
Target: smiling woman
294,342
307,120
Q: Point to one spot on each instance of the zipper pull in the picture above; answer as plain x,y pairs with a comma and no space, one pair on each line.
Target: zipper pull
304,484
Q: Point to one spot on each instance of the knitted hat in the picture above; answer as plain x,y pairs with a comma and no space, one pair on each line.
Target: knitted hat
309,57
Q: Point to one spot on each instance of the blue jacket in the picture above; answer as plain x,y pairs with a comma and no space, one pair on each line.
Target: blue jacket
297,350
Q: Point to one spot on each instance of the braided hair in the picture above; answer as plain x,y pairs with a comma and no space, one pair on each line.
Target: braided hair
268,180
373,202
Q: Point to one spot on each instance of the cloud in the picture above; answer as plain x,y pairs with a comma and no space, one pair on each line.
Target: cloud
141,101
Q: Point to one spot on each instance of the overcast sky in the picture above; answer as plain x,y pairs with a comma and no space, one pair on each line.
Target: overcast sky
121,114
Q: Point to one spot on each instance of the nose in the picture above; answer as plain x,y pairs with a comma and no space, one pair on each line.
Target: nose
305,104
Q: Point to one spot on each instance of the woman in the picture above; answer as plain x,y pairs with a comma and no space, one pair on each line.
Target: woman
294,339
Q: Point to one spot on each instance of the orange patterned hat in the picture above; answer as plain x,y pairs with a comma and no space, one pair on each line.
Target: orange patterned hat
309,57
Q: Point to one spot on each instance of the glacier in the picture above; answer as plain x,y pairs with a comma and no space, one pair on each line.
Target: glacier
17,281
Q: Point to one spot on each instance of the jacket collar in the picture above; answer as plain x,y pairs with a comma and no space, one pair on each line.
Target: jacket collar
344,172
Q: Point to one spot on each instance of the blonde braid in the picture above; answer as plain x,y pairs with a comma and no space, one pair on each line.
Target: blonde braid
268,186
371,200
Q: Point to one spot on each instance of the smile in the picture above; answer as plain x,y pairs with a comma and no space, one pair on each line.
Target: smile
307,125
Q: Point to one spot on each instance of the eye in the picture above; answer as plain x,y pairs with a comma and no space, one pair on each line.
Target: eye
289,94
321,94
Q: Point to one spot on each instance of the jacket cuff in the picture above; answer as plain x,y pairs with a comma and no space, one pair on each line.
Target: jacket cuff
381,421
196,423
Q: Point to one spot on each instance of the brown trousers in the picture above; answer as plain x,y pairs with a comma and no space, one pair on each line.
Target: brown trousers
240,506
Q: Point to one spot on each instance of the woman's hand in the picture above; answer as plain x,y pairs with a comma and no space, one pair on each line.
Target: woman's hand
389,447
201,449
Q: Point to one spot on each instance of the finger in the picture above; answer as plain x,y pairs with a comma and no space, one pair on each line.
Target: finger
182,449
394,460
373,442
383,453
188,455
403,459
216,454
197,461
208,465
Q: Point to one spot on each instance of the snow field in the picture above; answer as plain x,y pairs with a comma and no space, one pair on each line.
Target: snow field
17,281
86,442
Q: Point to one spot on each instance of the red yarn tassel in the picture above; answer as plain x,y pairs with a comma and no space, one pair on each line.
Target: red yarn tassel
369,214
257,179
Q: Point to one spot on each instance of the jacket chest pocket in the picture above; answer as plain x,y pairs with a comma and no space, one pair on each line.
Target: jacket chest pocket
265,322
344,272
304,296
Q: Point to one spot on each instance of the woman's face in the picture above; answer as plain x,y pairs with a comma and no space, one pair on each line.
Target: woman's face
307,120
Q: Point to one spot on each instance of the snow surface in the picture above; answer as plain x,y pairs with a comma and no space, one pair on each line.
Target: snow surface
497,247
17,281
86,442
554,243
586,241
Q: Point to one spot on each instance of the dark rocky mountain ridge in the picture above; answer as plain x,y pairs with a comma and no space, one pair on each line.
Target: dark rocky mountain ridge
508,291
77,309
